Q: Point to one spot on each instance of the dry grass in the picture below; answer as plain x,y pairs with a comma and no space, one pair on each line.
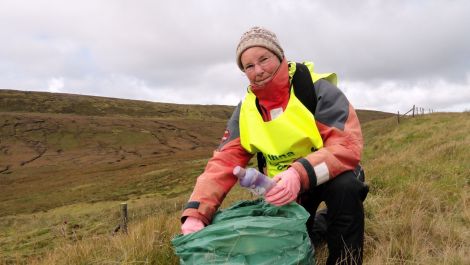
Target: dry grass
145,243
417,212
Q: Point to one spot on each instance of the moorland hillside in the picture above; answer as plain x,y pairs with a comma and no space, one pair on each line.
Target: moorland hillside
64,170
58,149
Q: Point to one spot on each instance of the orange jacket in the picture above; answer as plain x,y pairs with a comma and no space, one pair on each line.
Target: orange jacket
339,128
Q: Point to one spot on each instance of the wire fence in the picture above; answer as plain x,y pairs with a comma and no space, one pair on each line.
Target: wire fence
413,112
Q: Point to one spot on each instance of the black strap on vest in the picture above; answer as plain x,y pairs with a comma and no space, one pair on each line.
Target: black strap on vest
303,87
304,91
261,161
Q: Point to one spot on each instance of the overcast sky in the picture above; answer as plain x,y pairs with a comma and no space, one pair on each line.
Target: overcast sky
388,55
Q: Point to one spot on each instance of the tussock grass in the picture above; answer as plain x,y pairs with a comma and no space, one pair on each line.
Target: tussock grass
145,243
45,102
417,212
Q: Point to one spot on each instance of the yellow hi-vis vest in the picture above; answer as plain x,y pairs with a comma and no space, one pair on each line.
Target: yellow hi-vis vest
290,136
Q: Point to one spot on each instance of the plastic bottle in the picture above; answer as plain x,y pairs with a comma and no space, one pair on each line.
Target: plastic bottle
252,179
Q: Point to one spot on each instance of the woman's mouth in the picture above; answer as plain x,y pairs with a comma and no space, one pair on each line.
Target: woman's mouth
263,81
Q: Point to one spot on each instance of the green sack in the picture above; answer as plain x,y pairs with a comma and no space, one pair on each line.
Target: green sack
250,232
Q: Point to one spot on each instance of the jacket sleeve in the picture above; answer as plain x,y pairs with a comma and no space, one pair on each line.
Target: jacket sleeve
340,130
217,179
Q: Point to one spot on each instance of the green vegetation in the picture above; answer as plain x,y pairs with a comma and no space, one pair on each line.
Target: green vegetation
417,212
64,159
44,102
62,177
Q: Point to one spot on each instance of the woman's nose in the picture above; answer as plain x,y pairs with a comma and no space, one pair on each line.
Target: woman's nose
258,69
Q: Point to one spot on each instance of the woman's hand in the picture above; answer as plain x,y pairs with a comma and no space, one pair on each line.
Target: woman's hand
286,189
191,225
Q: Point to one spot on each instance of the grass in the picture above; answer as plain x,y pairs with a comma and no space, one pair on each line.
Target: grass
82,154
86,237
44,102
417,211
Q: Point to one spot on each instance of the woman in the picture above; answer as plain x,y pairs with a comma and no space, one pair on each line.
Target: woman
311,154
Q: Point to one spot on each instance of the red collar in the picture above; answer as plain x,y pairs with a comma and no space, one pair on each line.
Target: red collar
274,94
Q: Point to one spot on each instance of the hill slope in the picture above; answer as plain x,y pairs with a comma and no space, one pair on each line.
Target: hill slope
44,102
67,160
416,212
55,103
58,149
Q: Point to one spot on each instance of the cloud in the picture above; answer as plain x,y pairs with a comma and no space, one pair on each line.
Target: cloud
184,51
55,84
392,96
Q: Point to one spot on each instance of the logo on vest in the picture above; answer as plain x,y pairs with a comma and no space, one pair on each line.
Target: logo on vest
279,161
279,157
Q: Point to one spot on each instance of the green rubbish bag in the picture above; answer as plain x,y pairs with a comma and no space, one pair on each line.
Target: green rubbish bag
250,232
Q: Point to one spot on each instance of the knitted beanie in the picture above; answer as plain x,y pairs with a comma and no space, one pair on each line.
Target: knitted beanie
257,36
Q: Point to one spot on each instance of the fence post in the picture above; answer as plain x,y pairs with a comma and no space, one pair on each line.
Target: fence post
123,224
413,111
398,116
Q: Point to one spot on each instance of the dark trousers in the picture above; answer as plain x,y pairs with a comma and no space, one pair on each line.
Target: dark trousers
341,225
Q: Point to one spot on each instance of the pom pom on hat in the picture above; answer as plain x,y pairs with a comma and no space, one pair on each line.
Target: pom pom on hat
260,37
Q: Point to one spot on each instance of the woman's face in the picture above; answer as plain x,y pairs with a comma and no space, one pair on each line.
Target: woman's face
259,65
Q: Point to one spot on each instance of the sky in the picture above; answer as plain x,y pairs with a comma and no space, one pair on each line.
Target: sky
388,55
